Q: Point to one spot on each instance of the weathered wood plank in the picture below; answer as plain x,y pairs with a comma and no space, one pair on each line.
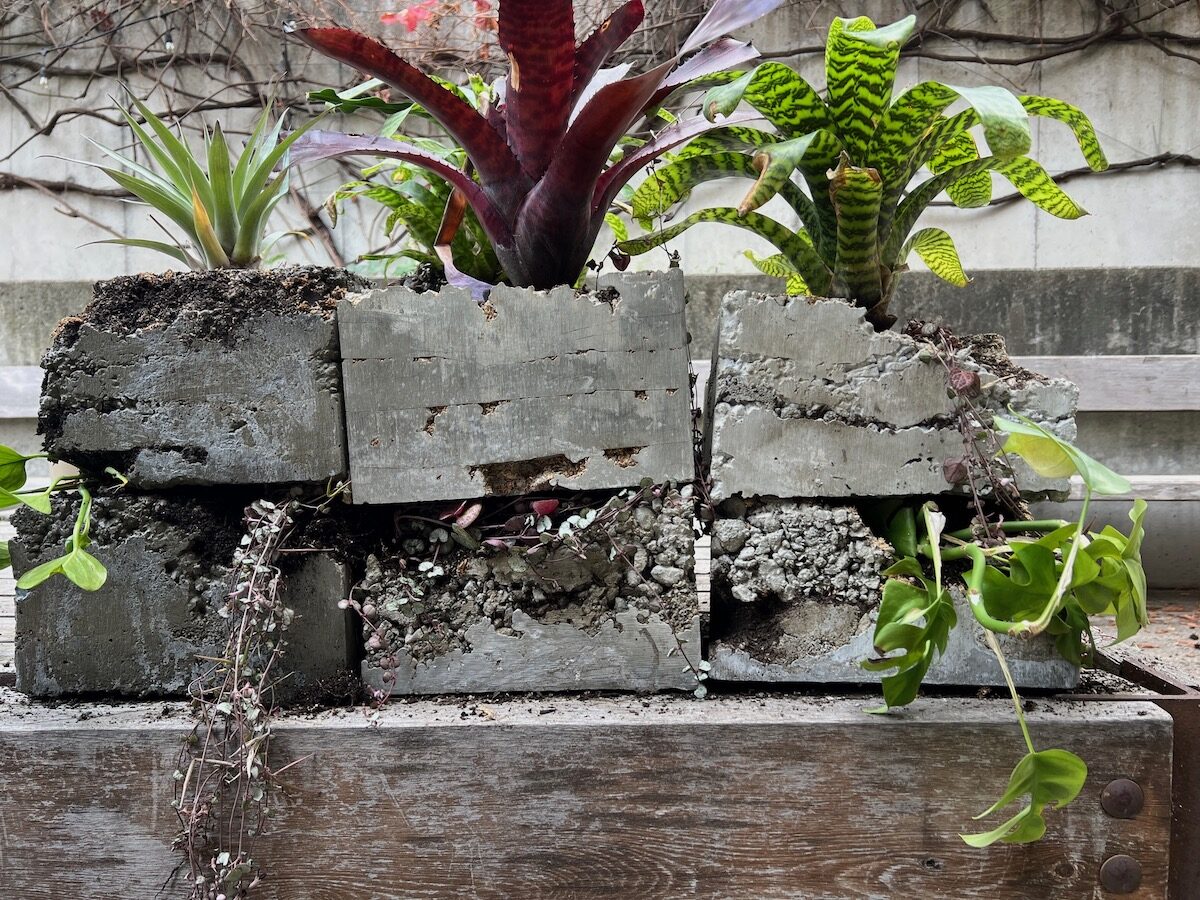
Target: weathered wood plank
1151,487
1118,383
783,797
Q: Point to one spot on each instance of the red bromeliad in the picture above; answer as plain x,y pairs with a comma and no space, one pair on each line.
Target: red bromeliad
542,180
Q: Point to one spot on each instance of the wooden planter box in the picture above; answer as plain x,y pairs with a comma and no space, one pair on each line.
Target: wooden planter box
767,797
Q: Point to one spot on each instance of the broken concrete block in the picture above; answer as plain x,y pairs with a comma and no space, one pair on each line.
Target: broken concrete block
795,592
806,399
614,608
225,377
446,399
168,559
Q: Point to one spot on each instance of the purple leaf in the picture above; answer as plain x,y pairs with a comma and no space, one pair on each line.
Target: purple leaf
487,150
544,507
717,57
726,16
538,37
595,51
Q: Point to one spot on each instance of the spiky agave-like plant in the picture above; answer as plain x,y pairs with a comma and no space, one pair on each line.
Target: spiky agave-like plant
541,180
856,151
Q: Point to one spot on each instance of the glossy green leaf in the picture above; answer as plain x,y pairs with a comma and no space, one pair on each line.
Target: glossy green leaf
39,574
12,468
936,250
220,174
1048,777
84,570
1052,457
5,557
775,164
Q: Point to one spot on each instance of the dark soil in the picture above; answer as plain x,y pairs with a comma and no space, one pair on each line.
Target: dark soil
215,302
988,350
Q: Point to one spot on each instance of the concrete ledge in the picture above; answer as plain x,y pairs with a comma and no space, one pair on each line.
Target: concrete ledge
765,797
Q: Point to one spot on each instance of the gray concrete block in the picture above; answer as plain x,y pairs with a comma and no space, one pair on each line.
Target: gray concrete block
795,594
807,400
616,611
202,378
448,400
168,568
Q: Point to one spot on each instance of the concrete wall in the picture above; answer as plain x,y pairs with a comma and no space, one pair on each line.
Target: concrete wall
1141,100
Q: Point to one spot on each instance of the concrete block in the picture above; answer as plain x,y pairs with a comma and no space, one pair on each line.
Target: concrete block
618,611
168,572
807,400
225,377
795,594
446,399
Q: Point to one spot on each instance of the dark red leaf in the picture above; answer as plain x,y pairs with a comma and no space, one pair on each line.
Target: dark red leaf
724,17
314,146
539,38
595,51
497,166
719,56
544,507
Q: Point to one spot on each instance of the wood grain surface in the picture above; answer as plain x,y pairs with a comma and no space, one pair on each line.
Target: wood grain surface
778,797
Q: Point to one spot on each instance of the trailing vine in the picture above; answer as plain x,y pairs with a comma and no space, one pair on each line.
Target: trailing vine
225,778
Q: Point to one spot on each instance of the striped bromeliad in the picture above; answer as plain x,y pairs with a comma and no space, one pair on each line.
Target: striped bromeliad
844,161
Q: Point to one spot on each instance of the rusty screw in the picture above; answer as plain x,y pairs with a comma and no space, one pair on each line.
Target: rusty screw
1121,874
1122,798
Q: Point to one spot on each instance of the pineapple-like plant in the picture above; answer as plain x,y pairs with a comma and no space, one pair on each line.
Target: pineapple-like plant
540,178
845,161
221,205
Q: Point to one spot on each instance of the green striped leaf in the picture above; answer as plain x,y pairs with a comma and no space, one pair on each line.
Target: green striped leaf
777,266
796,246
972,190
856,193
860,70
1035,184
1076,120
785,99
617,226
673,182
936,250
919,199
731,137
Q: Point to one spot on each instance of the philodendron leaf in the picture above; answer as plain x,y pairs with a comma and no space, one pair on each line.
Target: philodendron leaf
12,469
936,250
1052,457
85,570
39,501
1047,777
916,617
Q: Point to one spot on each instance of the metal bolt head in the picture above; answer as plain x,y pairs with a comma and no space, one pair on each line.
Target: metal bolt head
1121,874
1122,798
